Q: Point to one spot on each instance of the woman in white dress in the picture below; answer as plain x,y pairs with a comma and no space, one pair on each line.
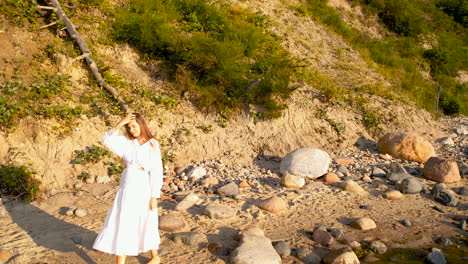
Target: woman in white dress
131,225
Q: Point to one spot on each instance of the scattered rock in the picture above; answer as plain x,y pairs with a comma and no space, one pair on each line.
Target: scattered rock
4,255
337,233
354,244
306,162
444,195
189,239
354,187
80,212
378,247
411,186
444,241
436,257
331,178
274,205
322,237
364,223
52,192
446,141
461,131
244,185
393,195
211,181
187,202
282,248
342,169
462,224
442,170
171,223
378,172
254,248
292,181
218,211
462,191
341,256
90,180
397,173
230,189
406,146
307,255
103,179
196,173
406,223
344,161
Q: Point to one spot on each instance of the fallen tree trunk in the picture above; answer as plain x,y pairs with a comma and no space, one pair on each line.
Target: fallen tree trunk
86,53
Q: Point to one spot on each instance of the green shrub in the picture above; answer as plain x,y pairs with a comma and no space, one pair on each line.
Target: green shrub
91,155
449,105
228,58
20,11
458,9
19,181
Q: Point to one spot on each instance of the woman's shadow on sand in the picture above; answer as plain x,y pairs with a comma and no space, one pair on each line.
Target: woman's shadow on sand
50,232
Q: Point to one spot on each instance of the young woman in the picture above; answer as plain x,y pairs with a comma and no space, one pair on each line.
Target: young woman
131,225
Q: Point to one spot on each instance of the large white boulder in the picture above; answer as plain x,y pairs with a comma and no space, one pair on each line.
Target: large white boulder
306,162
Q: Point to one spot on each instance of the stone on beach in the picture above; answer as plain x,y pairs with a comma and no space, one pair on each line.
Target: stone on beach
322,237
292,181
442,170
354,187
255,248
171,223
306,162
80,212
230,189
397,173
103,179
331,178
282,248
411,186
406,146
364,223
196,173
218,211
189,239
393,195
378,247
187,202
341,256
274,205
444,195
4,255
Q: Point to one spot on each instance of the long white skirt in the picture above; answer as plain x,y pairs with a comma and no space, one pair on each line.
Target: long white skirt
130,227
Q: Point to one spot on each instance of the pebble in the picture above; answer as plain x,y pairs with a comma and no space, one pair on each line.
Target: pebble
378,247
103,179
217,249
189,239
341,256
211,181
4,255
244,184
378,172
337,233
196,173
80,212
444,195
331,178
393,195
230,189
398,173
354,244
364,223
218,211
354,187
370,258
308,256
343,169
406,223
171,223
255,247
462,224
411,186
436,257
274,205
187,202
447,141
444,241
282,248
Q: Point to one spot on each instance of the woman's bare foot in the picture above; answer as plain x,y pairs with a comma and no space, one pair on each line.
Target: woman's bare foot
155,260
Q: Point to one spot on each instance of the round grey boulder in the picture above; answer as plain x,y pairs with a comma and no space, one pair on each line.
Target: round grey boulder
307,162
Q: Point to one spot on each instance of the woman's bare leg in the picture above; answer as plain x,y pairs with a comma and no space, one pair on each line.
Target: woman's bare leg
154,257
121,259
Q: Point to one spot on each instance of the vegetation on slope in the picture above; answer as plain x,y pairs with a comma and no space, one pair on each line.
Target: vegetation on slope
403,55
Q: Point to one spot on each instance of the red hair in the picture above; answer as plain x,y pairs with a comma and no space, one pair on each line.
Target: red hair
144,130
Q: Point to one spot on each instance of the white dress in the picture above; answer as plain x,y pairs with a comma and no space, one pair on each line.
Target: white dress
131,227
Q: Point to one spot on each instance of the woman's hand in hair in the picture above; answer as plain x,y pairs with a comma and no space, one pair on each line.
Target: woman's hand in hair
127,119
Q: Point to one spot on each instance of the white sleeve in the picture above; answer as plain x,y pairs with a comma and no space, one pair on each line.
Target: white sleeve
115,142
156,172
